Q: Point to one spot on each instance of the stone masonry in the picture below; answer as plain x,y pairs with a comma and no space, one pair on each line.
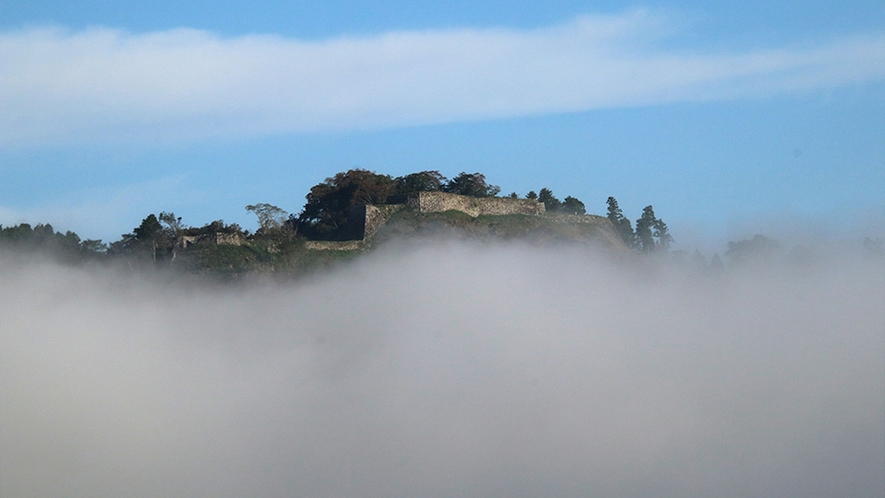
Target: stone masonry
435,202
364,221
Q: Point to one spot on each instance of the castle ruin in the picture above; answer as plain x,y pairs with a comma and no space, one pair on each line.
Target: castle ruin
365,221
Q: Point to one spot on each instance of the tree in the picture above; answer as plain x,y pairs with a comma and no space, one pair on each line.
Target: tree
651,233
531,195
43,237
149,229
93,247
329,203
644,233
551,203
758,248
572,205
660,232
423,181
472,184
216,226
173,223
269,216
622,224
145,238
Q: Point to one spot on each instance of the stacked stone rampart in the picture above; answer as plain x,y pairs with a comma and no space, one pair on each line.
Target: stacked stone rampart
436,202
579,218
233,239
333,245
364,221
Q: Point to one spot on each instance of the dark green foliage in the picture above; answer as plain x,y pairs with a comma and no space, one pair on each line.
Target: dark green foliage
216,226
329,203
551,203
662,234
19,234
172,223
149,229
572,205
43,239
269,216
652,234
621,223
423,181
472,184
644,234
145,244
218,260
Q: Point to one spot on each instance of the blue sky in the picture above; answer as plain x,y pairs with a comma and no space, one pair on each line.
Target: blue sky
729,117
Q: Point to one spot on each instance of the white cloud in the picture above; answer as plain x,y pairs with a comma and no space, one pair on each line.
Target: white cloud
447,370
103,84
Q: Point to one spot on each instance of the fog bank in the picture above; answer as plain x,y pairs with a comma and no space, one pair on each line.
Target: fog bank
448,370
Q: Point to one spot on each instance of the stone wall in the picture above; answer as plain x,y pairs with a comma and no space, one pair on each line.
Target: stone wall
364,221
334,245
579,218
436,202
233,239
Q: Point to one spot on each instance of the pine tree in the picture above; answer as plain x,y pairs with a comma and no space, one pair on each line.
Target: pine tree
661,233
551,203
573,205
622,225
644,233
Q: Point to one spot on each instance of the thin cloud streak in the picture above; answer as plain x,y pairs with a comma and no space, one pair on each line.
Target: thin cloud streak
103,85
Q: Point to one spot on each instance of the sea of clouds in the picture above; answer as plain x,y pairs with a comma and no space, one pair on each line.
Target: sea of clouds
448,369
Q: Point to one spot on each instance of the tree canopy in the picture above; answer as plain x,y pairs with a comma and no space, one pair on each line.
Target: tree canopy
572,205
423,181
329,203
42,238
652,234
551,203
758,248
269,216
472,184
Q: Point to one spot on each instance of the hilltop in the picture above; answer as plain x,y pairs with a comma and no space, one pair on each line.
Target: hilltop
346,215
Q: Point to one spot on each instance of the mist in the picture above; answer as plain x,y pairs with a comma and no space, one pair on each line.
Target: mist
448,369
